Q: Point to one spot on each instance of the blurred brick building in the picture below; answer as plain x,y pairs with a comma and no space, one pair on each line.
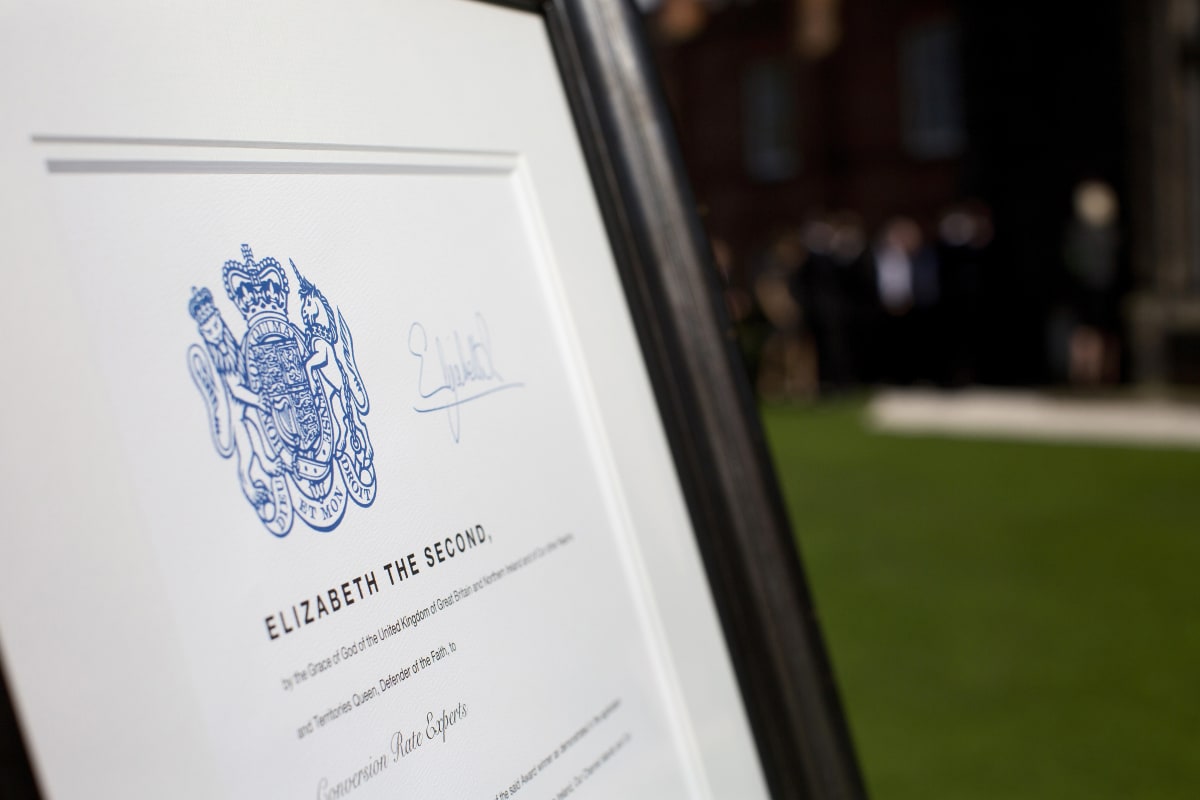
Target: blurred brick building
791,110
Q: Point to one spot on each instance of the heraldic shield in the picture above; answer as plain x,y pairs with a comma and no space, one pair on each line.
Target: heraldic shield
286,403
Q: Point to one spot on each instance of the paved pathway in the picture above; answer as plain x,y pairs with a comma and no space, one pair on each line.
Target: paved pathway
1030,415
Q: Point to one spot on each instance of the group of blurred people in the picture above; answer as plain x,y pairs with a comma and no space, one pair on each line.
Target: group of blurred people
831,308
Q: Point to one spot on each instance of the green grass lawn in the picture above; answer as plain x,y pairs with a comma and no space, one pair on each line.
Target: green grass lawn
1006,620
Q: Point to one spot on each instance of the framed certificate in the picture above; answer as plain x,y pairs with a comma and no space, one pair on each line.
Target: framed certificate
371,428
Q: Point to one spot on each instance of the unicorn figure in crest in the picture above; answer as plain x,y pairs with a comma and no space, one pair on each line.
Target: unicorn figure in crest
289,405
334,370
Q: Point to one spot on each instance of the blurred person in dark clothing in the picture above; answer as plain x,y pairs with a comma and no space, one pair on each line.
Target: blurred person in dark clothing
906,283
1091,254
831,290
964,235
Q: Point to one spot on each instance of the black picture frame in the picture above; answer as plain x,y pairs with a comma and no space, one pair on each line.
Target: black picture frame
704,401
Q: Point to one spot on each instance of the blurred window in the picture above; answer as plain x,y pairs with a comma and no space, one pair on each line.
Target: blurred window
770,129
931,91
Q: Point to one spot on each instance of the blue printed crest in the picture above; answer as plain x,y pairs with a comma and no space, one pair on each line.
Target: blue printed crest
286,404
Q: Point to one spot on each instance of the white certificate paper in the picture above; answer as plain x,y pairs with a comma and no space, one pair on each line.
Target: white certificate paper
350,482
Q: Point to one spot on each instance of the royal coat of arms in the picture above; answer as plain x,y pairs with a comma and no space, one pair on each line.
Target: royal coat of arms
286,404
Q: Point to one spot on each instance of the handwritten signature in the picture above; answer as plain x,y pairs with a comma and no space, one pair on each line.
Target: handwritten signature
467,372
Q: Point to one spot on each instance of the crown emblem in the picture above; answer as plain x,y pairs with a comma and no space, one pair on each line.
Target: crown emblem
256,287
201,305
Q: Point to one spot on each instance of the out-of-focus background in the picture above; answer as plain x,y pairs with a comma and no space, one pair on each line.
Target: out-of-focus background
960,242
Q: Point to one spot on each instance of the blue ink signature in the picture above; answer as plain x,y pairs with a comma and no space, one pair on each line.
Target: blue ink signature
467,373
